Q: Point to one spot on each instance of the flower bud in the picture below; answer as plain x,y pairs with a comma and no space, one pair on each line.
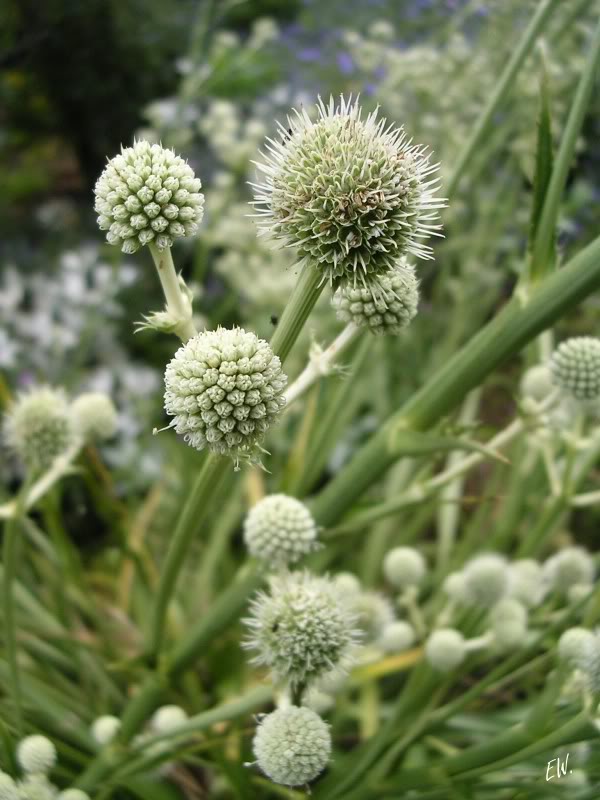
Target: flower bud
572,645
105,728
575,367
36,754
508,624
166,718
397,636
8,788
537,383
445,649
573,565
95,416
280,530
404,567
486,580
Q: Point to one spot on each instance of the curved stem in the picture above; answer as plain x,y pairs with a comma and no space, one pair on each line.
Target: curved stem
177,304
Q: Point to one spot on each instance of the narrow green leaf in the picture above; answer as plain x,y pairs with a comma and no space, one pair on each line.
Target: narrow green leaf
418,443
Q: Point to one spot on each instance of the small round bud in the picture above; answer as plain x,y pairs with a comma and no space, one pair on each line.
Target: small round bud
224,389
292,745
95,416
73,794
526,583
105,728
384,305
8,788
36,786
148,194
397,636
373,612
280,529
302,629
537,383
575,367
346,583
39,427
454,586
404,566
445,649
36,754
508,621
486,580
572,644
351,194
570,566
166,718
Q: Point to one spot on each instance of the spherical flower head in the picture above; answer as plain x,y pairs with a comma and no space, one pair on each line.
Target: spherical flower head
36,754
572,645
292,746
224,389
105,728
537,383
397,636
385,305
575,367
351,194
508,621
570,566
280,530
404,567
95,416
147,194
526,582
445,649
301,630
346,583
39,427
166,718
8,788
373,613
486,580
73,794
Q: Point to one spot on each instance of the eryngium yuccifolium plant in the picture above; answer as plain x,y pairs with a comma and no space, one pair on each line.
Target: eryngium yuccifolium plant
224,389
385,306
575,366
301,630
148,194
280,529
95,416
39,427
292,745
350,193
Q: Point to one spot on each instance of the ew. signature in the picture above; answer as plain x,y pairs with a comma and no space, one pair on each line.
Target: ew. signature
558,768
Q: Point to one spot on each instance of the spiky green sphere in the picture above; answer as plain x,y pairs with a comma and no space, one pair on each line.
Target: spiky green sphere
8,788
572,645
351,194
385,306
302,629
95,416
292,746
166,718
148,194
39,427
36,754
224,389
445,649
397,636
280,530
571,566
404,567
575,367
486,580
105,728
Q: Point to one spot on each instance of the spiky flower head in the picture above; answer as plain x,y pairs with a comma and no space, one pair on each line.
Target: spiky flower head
397,636
404,566
292,745
570,566
445,649
486,580
224,389
95,416
572,644
302,629
350,193
36,754
8,788
39,427
166,718
148,194
105,728
385,306
575,367
280,530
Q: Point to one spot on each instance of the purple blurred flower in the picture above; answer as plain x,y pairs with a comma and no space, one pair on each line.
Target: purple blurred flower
309,54
345,63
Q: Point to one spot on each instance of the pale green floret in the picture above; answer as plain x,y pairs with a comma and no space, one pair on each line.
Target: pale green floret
537,383
404,567
224,389
36,754
167,718
301,630
575,366
73,794
372,611
105,728
147,194
346,583
486,580
8,788
526,582
385,306
445,649
570,566
39,427
292,746
508,621
351,194
95,416
397,636
572,644
280,530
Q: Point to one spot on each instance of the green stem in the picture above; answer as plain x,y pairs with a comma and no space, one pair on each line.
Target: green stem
302,300
9,555
188,525
505,83
516,325
177,304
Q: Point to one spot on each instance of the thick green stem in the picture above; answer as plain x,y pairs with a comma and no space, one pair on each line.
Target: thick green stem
188,525
306,293
177,304
517,324
9,549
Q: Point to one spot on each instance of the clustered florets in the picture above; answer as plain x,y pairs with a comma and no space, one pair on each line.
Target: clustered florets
575,367
147,194
280,530
351,194
224,389
292,745
386,306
